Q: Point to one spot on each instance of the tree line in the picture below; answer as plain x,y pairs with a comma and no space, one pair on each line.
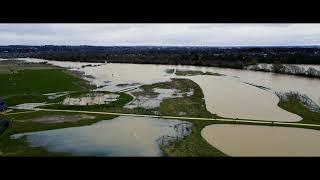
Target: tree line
290,69
231,57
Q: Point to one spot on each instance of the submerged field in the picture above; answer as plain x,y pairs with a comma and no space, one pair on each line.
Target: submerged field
60,89
28,82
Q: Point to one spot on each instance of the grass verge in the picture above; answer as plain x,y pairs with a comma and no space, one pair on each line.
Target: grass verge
295,106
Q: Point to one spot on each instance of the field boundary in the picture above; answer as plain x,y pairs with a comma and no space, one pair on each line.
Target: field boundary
181,118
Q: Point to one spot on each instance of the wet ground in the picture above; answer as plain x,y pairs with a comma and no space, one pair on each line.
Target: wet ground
52,119
93,98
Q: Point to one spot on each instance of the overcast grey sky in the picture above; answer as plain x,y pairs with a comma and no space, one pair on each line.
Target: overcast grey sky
160,34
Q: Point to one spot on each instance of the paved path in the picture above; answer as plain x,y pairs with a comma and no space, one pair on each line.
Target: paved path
176,117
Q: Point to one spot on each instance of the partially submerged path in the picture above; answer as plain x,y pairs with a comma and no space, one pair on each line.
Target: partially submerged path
182,118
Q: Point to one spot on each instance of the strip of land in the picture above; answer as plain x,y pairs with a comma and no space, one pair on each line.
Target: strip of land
184,118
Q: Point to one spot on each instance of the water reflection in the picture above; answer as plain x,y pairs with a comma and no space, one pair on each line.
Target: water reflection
122,136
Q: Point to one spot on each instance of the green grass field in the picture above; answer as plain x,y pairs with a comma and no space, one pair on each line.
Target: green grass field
25,83
38,82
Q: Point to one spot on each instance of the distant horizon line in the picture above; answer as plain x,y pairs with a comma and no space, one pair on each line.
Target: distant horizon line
171,45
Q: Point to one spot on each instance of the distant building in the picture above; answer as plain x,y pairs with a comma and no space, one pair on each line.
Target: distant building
3,105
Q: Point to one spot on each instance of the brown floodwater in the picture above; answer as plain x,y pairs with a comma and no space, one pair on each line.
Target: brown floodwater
252,140
227,96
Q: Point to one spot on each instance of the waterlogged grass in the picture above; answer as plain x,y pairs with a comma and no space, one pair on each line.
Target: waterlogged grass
193,145
13,66
27,98
26,82
194,73
39,82
191,106
113,106
169,71
295,106
128,84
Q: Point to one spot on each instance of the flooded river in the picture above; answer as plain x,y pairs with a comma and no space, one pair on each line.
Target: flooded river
250,140
122,136
227,96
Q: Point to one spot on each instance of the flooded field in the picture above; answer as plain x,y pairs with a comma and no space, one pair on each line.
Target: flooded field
250,140
122,136
91,99
227,95
28,106
60,118
56,95
154,102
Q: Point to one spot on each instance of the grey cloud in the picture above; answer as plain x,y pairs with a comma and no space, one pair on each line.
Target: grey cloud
160,34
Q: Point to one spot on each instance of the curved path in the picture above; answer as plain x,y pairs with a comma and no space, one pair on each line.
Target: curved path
182,118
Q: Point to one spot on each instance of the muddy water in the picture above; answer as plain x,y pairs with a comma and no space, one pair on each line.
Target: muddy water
278,82
217,92
230,98
249,140
108,76
122,136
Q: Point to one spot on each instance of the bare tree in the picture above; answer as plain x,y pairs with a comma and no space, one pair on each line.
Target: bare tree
313,72
277,67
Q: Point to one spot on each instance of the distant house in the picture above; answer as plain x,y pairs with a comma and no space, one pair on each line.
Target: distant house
3,105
